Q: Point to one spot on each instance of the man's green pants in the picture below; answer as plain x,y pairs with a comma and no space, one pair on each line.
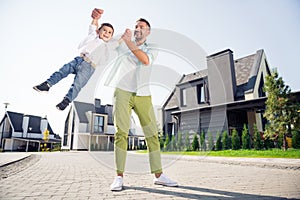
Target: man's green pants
124,103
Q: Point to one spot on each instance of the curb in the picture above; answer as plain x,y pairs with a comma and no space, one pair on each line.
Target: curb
277,163
14,160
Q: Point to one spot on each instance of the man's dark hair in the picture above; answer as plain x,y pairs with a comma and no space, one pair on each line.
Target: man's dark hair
107,24
144,20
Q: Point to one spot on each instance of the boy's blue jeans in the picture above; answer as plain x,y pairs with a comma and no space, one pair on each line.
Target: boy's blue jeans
82,70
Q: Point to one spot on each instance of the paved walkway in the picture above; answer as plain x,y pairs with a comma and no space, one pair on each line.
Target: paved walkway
87,175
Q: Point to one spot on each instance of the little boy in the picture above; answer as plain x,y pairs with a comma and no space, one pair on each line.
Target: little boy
94,50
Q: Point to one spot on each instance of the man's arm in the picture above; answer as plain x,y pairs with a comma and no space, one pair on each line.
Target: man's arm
141,55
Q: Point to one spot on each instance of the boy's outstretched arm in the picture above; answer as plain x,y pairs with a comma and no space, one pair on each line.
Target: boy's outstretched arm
96,15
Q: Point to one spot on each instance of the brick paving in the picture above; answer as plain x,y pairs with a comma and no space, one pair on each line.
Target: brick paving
87,175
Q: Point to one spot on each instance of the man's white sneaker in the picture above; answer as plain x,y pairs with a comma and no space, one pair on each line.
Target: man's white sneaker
117,185
164,180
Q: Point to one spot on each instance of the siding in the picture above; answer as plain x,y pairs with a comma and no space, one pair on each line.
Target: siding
213,121
189,122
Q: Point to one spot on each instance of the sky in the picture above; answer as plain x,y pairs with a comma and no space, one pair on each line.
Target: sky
38,37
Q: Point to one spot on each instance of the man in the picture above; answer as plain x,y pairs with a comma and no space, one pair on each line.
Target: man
131,79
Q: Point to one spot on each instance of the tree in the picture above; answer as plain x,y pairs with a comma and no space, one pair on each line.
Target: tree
245,138
195,143
235,140
281,109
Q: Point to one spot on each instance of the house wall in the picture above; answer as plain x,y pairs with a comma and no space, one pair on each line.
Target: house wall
101,142
80,141
214,120
17,134
189,122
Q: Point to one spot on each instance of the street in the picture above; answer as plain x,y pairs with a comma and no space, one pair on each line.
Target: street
88,175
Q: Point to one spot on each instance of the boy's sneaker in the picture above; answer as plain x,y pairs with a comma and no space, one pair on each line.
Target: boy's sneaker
117,185
63,104
165,181
43,87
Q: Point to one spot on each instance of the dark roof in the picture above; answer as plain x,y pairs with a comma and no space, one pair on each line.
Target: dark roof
193,76
82,108
246,70
243,67
16,120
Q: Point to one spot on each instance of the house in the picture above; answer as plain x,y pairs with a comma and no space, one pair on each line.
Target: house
89,126
25,132
223,97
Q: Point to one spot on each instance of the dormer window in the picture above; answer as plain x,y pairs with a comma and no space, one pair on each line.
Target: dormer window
183,97
200,93
98,124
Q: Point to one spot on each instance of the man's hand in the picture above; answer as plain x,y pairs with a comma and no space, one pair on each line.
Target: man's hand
96,14
127,35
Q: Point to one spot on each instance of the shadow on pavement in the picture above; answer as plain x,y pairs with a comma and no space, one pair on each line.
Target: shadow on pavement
207,193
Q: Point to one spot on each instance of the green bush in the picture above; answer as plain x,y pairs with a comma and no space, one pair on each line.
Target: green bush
279,141
219,142
166,144
225,139
296,139
161,142
195,143
235,140
187,142
173,143
211,143
245,138
202,141
258,142
179,141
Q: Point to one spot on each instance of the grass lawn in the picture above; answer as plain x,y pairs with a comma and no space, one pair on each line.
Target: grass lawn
272,153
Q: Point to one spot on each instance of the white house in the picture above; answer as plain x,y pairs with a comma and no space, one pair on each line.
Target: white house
90,127
25,132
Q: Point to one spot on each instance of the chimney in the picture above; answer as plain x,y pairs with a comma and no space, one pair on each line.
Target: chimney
44,124
221,77
25,124
97,103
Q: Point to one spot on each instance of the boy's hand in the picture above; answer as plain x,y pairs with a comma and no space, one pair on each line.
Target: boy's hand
96,14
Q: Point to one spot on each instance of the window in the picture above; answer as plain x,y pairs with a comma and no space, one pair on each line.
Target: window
98,124
200,93
183,97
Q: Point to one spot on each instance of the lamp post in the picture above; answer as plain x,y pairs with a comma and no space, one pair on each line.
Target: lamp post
6,104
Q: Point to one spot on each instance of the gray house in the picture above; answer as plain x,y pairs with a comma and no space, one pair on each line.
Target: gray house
225,96
90,127
21,132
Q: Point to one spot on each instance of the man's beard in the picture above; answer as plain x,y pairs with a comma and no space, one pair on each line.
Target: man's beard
138,36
